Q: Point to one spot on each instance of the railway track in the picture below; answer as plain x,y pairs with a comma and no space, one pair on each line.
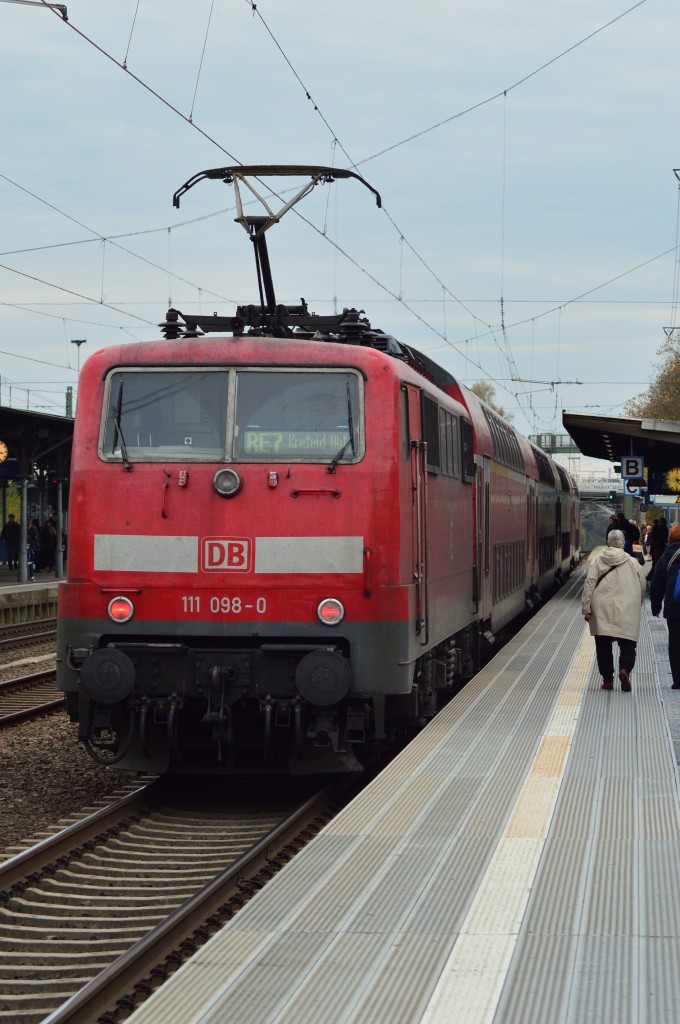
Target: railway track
93,918
25,634
28,696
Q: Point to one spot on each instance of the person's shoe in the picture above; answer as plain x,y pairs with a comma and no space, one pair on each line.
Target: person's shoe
624,676
675,686
608,684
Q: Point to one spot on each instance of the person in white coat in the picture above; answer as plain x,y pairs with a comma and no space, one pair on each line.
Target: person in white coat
611,602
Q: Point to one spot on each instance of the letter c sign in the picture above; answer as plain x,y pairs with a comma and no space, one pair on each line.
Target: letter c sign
226,554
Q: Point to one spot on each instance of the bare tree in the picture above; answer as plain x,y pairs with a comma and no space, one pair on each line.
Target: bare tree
486,392
661,400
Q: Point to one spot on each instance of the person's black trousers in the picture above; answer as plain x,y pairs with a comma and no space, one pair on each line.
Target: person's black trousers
628,649
674,649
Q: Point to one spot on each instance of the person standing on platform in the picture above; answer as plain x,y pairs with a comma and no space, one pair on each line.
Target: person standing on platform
658,538
33,541
611,602
48,543
623,525
11,535
32,548
611,525
662,586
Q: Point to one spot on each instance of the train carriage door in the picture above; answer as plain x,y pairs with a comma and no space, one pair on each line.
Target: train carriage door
532,529
484,536
419,506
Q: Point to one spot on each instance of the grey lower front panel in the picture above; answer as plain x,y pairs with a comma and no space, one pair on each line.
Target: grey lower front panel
298,699
381,655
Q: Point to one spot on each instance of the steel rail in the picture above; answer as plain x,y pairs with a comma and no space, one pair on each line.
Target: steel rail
118,980
51,849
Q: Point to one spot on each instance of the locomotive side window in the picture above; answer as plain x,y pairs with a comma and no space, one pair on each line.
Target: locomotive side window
467,451
298,415
430,414
448,444
158,415
403,425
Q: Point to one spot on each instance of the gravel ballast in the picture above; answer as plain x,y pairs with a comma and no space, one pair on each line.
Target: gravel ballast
47,775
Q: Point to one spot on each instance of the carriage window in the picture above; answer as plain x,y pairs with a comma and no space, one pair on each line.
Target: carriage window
298,416
166,415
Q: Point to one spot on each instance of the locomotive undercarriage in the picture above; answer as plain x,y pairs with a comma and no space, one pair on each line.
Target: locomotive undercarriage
149,705
146,703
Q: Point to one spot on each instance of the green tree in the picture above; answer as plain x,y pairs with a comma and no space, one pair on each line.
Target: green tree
661,400
12,500
486,391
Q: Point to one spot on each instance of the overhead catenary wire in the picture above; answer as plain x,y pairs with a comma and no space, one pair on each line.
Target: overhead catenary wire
149,89
70,291
256,12
508,350
676,267
97,238
400,233
132,28
60,316
489,329
356,263
488,100
193,124
503,92
200,65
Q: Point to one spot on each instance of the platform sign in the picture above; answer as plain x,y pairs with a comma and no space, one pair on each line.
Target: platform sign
632,466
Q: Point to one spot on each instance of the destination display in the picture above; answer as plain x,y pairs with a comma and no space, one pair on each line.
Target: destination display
292,442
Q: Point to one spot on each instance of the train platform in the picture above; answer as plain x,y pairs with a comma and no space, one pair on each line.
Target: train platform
519,861
24,602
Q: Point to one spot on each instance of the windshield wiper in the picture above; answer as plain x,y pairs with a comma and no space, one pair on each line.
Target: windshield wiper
330,468
118,432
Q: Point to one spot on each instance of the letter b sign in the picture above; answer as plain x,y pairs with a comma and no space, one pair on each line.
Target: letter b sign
632,466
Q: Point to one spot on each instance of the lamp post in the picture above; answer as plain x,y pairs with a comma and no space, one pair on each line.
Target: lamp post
78,342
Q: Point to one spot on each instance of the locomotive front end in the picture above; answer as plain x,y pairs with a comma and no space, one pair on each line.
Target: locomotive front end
221,578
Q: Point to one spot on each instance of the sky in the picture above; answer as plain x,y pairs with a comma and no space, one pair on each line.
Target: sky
524,154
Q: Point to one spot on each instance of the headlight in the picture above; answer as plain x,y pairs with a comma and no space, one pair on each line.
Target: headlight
227,482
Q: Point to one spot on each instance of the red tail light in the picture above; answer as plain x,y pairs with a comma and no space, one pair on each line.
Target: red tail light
121,609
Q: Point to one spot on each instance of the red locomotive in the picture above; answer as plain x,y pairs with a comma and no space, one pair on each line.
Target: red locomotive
290,545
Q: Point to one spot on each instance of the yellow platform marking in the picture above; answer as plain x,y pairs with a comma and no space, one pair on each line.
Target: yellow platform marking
472,980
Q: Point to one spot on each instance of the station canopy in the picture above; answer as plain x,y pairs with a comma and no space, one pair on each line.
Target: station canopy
614,438
35,441
630,442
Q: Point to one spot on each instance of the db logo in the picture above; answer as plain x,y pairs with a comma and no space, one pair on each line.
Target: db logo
225,554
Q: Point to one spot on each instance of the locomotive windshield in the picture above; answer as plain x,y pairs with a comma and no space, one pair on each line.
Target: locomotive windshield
248,415
283,415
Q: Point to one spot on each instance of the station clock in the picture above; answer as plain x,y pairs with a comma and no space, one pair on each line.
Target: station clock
672,479
4,451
